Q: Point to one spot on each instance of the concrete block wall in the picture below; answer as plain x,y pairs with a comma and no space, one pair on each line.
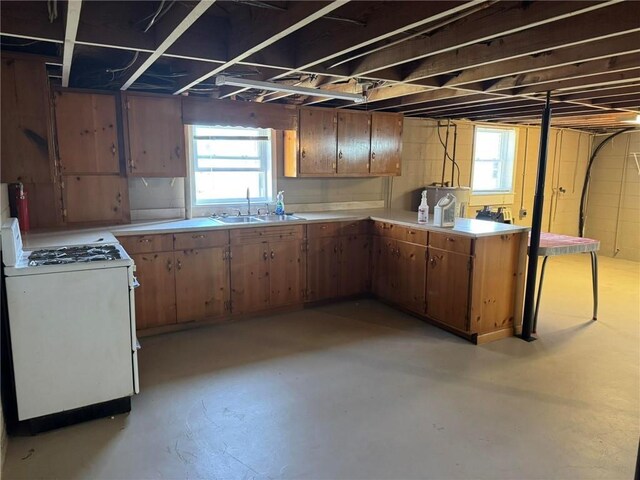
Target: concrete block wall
613,208
422,160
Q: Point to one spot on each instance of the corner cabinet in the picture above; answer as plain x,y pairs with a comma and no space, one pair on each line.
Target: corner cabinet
343,143
154,136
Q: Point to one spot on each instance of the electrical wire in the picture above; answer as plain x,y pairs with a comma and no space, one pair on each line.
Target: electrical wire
113,71
455,164
587,178
19,44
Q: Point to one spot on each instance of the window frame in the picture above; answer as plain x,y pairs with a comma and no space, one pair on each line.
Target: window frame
511,189
266,156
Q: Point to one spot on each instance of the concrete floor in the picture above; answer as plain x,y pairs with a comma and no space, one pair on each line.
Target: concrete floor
358,390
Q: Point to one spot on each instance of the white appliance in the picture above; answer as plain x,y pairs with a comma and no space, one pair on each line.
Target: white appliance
435,193
72,325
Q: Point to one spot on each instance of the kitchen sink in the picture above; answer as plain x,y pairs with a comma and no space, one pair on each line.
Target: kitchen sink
272,218
250,219
279,218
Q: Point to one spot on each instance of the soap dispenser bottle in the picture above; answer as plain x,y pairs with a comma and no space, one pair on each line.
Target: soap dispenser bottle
423,209
280,203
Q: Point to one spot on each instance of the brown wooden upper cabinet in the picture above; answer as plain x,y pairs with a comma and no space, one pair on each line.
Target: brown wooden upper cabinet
354,142
330,143
386,143
317,141
87,132
154,134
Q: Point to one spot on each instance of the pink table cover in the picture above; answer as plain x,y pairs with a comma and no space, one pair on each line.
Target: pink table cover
555,244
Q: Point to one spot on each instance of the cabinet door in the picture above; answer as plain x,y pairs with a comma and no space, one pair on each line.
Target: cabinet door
250,277
155,136
448,288
322,268
87,132
156,295
286,273
96,198
24,124
386,143
412,276
355,255
384,269
354,140
317,141
202,283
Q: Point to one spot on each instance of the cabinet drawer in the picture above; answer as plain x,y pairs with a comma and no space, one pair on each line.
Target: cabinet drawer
398,232
318,230
359,227
452,243
147,243
211,238
241,236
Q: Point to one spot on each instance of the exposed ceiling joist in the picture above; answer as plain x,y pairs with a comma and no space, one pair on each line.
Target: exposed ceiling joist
73,19
297,18
182,27
500,20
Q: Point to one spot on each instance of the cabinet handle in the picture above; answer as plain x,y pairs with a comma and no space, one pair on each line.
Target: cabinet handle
273,255
451,239
113,148
265,255
169,265
335,249
303,153
178,265
432,261
178,150
144,240
373,156
340,155
198,236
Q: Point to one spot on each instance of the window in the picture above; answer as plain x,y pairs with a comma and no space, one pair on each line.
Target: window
494,154
227,161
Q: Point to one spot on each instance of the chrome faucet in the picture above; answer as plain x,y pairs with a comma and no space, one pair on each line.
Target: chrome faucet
248,202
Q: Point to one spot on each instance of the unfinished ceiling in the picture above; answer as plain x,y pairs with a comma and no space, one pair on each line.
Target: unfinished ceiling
488,61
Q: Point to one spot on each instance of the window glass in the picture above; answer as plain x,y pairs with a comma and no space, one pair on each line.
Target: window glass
494,156
228,160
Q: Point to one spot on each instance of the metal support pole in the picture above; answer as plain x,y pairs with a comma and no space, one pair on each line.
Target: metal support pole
536,224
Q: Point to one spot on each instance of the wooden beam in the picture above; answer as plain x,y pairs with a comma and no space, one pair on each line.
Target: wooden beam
297,18
595,93
629,43
499,20
607,79
574,71
182,27
73,18
386,21
610,22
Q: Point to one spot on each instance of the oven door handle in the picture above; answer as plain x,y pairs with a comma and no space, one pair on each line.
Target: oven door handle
136,283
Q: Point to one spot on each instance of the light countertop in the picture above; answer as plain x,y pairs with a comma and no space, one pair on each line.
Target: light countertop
463,226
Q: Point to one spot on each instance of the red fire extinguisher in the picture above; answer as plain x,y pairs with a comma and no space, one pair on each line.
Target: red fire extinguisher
19,205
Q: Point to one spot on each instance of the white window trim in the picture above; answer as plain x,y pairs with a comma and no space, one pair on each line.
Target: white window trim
493,197
193,210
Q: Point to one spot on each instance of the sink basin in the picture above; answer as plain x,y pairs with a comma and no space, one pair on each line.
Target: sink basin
236,220
279,218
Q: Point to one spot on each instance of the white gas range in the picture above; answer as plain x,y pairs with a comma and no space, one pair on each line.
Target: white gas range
72,329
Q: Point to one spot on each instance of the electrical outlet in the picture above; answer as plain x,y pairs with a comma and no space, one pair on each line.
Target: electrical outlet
523,213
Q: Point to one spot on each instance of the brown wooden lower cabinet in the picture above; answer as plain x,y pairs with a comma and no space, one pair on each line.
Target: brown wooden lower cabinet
266,275
400,273
470,286
448,276
338,266
202,284
156,296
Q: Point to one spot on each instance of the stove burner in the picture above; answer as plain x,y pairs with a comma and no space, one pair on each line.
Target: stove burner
64,255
